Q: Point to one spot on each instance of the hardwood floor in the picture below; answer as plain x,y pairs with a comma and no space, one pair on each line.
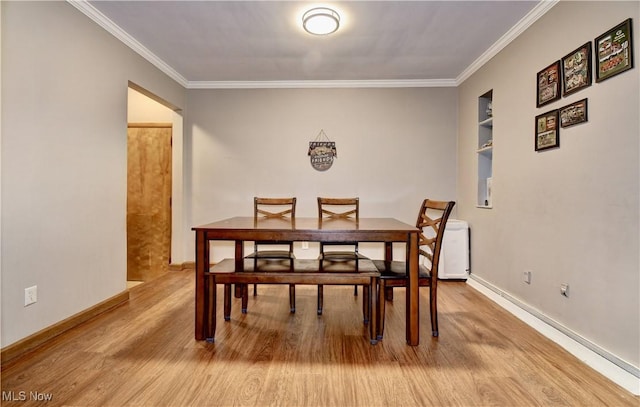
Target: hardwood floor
143,354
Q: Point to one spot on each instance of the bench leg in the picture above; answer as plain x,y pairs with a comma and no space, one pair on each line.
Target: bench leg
227,302
382,289
373,306
366,312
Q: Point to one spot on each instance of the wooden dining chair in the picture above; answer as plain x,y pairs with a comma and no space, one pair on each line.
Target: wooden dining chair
269,208
432,220
338,208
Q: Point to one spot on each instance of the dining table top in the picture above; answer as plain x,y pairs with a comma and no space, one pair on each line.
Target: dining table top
309,224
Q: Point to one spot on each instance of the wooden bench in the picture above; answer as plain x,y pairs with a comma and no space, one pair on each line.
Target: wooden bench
298,271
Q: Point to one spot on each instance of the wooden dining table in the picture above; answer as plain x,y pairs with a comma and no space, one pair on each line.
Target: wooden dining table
241,229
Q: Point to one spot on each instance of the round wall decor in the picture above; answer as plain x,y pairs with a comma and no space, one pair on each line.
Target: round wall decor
322,151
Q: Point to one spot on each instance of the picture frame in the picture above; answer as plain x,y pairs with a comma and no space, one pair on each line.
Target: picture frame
548,86
547,135
614,51
575,113
576,69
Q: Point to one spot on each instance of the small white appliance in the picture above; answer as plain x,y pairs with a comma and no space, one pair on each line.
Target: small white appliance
454,255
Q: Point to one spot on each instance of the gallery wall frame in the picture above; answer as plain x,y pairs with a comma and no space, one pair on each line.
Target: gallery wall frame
547,135
614,51
548,84
576,69
574,113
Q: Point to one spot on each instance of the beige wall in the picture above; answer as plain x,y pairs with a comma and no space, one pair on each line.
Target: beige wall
64,124
569,215
395,147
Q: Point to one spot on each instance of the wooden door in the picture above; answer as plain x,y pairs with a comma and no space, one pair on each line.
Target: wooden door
148,200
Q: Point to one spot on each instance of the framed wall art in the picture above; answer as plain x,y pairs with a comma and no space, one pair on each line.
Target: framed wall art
614,51
548,84
574,113
576,69
547,135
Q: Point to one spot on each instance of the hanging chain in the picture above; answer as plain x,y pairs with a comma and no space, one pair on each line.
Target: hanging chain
322,136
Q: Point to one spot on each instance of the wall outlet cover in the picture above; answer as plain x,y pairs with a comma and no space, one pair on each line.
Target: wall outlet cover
30,295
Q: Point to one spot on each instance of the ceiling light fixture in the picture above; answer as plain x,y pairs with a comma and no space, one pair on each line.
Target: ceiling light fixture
321,21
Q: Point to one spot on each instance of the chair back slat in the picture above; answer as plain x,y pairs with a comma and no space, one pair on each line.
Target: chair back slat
274,207
432,221
343,208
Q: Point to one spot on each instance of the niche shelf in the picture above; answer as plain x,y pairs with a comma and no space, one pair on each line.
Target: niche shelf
485,149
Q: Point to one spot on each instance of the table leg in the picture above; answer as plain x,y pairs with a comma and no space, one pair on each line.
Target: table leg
239,289
388,258
202,264
211,309
413,299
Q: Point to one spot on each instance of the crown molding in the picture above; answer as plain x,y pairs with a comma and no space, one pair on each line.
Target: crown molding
104,22
532,16
392,83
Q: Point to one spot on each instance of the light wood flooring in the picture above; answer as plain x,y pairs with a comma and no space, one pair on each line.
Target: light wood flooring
143,354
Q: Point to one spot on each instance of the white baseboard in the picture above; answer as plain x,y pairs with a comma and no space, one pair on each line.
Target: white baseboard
609,365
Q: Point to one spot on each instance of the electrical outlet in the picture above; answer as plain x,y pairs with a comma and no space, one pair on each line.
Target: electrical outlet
527,277
564,289
30,295
305,245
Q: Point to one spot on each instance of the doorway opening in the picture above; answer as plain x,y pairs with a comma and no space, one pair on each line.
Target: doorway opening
154,186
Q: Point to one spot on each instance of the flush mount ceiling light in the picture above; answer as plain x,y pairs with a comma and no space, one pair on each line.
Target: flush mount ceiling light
321,21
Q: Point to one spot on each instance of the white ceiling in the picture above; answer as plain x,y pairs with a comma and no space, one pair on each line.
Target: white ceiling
213,44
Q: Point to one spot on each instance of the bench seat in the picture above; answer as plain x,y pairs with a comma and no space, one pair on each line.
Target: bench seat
296,271
292,271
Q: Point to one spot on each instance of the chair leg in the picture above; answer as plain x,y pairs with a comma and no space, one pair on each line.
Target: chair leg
237,290
292,298
433,297
227,302
320,299
381,304
255,290
245,297
388,293
355,290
